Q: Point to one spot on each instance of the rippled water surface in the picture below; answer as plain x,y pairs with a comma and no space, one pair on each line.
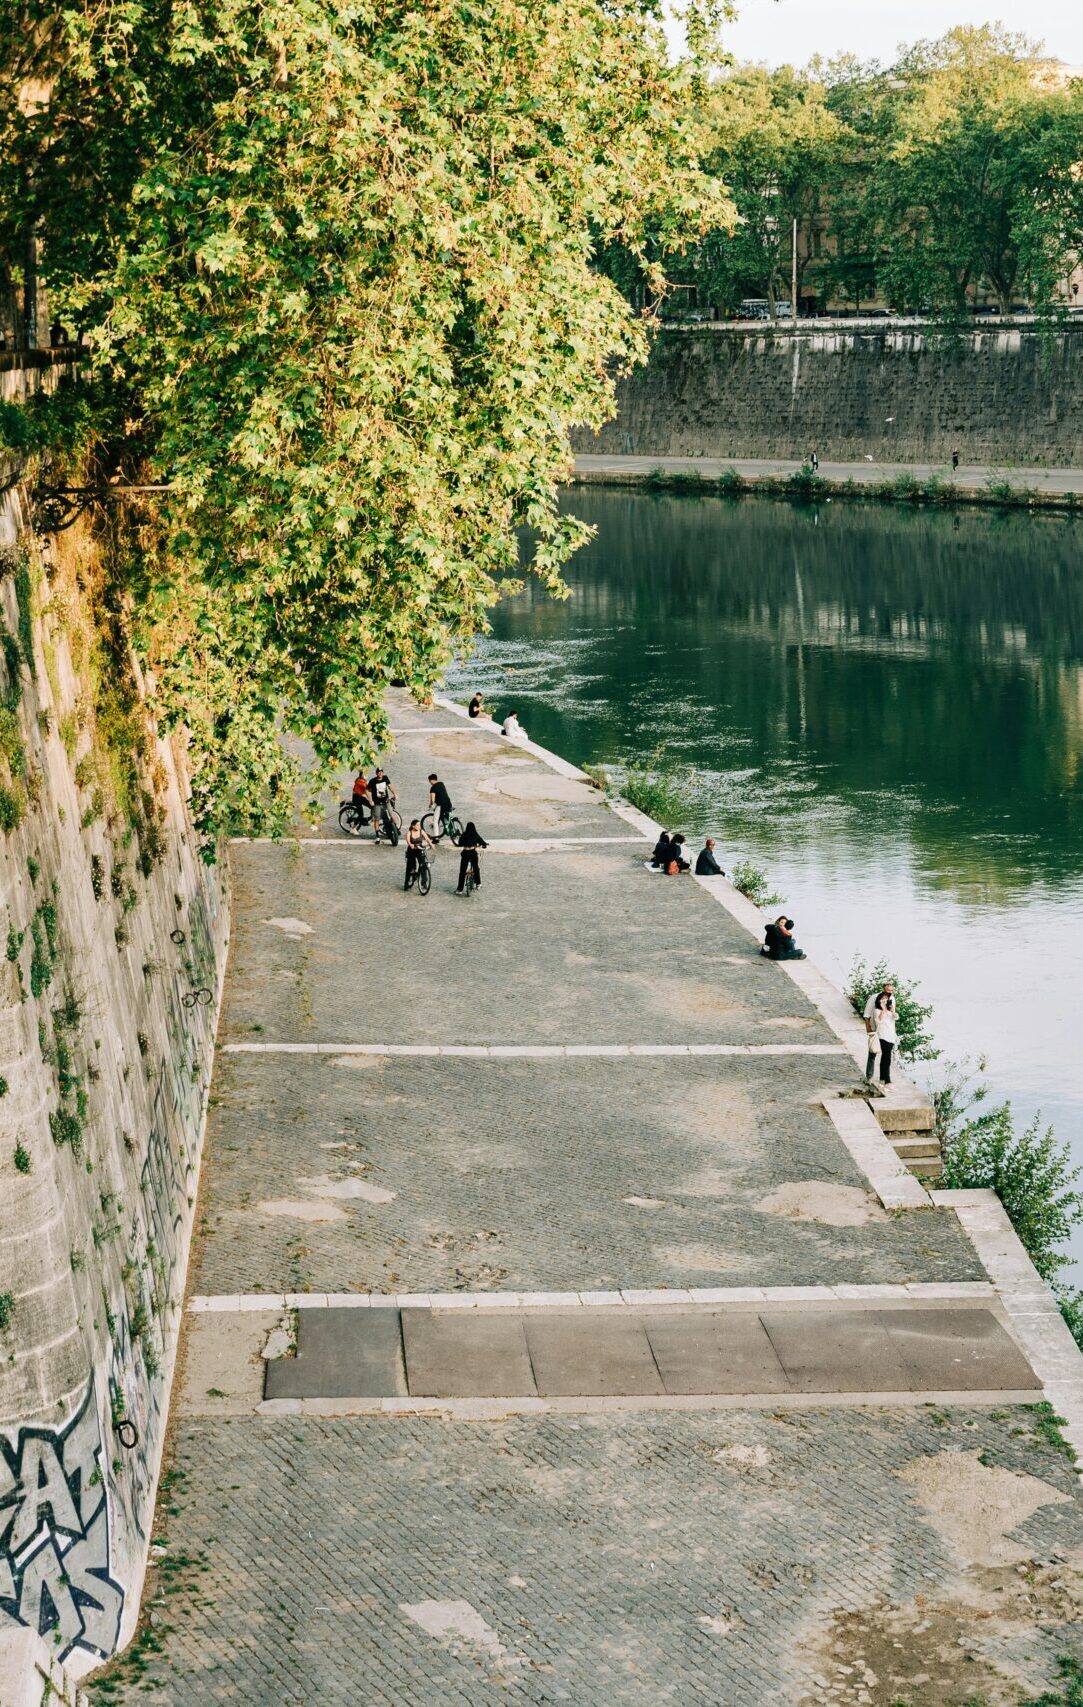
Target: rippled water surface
884,709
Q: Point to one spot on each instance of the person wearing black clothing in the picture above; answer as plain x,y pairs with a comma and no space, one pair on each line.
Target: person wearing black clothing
778,941
440,801
469,843
475,707
676,856
706,863
660,856
381,794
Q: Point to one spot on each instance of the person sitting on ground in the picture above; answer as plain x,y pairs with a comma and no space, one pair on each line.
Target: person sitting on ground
381,794
706,863
778,941
660,856
512,728
416,839
440,801
469,843
676,863
476,707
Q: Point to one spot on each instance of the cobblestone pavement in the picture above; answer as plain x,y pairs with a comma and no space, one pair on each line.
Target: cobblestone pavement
678,1165
705,1561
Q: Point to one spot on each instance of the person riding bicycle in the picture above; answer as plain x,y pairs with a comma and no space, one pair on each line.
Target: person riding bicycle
469,843
440,801
416,842
382,795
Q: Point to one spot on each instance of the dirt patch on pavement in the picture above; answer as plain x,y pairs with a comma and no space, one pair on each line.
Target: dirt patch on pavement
971,1643
822,1201
974,1506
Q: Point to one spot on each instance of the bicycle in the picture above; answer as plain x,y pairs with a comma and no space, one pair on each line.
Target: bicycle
352,819
422,872
449,826
470,882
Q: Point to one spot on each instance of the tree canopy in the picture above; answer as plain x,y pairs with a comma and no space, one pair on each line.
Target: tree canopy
335,261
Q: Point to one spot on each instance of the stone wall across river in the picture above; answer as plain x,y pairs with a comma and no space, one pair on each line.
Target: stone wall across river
896,393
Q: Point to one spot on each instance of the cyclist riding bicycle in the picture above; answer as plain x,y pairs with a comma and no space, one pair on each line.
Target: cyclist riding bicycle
416,842
440,801
469,843
382,795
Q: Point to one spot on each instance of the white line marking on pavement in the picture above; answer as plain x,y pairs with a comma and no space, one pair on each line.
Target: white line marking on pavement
499,844
537,1051
630,1298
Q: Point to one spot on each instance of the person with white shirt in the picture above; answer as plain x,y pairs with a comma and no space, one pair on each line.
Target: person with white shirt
512,728
880,1024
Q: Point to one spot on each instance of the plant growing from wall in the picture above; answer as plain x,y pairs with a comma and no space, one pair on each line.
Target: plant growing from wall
7,1310
912,1017
23,1163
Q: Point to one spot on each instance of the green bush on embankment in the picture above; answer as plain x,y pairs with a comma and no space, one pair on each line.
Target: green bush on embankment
911,1016
806,486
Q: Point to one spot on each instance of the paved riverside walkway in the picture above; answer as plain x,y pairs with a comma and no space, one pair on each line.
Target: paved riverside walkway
969,477
773,1442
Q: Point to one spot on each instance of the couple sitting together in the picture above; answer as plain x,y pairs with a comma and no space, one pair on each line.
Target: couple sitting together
668,856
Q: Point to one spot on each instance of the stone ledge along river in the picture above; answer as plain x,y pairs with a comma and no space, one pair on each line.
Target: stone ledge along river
883,708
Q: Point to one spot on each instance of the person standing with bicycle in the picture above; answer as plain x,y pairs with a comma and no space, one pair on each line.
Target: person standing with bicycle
469,843
440,801
381,794
416,843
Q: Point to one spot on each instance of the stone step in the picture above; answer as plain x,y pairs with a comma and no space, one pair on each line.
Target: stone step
912,1147
911,1117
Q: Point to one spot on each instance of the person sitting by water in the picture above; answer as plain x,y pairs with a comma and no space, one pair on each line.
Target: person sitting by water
476,707
660,856
512,728
676,863
706,863
778,941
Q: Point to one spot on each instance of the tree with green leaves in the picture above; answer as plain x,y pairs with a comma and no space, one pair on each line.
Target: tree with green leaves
335,262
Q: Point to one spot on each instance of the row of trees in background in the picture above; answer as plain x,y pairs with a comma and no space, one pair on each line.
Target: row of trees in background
951,177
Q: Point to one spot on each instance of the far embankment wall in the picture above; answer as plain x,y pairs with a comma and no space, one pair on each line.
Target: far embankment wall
114,934
1005,395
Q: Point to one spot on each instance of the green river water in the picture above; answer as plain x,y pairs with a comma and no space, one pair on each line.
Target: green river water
884,708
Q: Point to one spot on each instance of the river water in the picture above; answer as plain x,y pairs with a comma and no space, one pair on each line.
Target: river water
883,708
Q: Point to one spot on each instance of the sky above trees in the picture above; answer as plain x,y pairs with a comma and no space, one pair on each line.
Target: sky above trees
791,31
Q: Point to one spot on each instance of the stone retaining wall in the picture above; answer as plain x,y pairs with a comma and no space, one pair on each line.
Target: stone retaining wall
895,394
108,933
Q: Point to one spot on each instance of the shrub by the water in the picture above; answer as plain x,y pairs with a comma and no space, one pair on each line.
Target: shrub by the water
663,793
752,881
912,1016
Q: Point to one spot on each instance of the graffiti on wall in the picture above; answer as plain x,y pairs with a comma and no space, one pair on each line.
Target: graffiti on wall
54,1535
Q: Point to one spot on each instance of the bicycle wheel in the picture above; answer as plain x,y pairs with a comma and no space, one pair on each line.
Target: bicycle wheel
349,819
453,828
424,880
391,830
428,825
396,817
470,885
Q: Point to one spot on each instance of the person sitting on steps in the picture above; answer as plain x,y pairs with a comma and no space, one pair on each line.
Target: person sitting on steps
778,941
469,843
660,856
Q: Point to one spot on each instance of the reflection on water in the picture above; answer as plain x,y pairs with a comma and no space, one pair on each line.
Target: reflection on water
884,707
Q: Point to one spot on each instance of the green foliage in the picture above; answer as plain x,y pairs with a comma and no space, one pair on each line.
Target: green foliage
11,807
67,1128
661,791
41,959
911,1016
1070,1690
337,268
752,881
3,1087
1029,1171
15,943
23,1164
7,1310
13,662
97,876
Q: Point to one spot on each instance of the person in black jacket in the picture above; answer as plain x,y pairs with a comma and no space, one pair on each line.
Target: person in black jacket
706,863
779,942
660,856
469,843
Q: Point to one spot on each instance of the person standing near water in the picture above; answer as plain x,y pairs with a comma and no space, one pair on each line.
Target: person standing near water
880,1015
